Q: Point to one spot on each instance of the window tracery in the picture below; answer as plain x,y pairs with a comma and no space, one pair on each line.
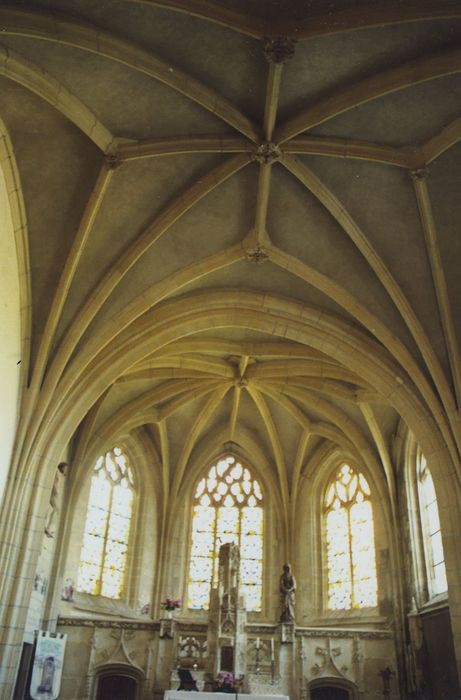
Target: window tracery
103,557
351,561
227,508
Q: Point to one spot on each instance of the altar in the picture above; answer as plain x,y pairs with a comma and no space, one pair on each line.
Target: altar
202,665
197,695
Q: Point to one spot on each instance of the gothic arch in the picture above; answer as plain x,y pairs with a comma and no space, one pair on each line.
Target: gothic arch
117,670
334,682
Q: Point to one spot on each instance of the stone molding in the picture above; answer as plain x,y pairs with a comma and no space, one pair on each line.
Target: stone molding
345,634
108,624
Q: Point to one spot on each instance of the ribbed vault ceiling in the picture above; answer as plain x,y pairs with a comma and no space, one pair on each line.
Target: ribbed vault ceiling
241,229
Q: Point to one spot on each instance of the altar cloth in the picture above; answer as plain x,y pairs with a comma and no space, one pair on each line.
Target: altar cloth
199,695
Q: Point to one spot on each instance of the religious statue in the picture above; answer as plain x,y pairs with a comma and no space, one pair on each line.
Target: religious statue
53,509
287,587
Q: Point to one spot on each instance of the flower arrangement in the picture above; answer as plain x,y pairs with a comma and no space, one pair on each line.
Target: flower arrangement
227,682
171,603
226,677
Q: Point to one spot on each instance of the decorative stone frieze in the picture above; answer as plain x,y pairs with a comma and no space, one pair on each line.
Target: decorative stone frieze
345,634
108,624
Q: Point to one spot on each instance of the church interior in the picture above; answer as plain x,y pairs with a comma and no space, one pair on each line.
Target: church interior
230,352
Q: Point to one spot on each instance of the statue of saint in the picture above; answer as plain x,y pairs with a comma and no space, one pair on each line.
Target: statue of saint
53,509
287,587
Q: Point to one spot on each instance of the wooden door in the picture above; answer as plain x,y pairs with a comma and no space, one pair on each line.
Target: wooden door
116,687
329,693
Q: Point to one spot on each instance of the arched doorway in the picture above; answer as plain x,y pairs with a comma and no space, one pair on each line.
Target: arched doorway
329,693
332,689
117,687
117,682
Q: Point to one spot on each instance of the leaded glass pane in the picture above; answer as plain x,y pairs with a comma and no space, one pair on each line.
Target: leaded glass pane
228,520
363,555
226,510
339,595
203,546
252,594
204,518
433,522
112,582
432,535
351,566
88,575
250,571
440,578
199,595
252,520
96,520
251,547
93,549
201,569
437,548
107,527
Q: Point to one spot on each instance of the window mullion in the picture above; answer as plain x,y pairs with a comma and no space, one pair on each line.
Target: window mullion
349,537
215,553
105,536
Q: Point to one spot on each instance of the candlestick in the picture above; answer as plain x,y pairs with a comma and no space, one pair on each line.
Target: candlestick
257,642
272,650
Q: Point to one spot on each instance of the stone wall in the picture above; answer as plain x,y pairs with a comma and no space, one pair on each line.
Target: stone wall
277,660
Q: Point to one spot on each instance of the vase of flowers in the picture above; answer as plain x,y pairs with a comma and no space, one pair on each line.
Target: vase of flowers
226,682
170,604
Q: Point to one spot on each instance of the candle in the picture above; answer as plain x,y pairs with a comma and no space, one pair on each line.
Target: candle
257,642
272,650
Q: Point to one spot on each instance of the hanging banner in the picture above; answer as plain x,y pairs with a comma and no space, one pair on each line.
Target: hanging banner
47,670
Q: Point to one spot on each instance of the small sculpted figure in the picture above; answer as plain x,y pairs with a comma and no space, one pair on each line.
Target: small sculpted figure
287,589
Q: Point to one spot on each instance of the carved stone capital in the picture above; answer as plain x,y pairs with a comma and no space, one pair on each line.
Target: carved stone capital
267,153
420,173
279,49
257,255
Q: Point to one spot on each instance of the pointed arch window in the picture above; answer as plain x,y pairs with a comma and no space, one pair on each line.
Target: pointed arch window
432,534
103,557
351,560
227,508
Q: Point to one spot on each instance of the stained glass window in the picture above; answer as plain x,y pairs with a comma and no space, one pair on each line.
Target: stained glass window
351,563
432,535
227,508
104,550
